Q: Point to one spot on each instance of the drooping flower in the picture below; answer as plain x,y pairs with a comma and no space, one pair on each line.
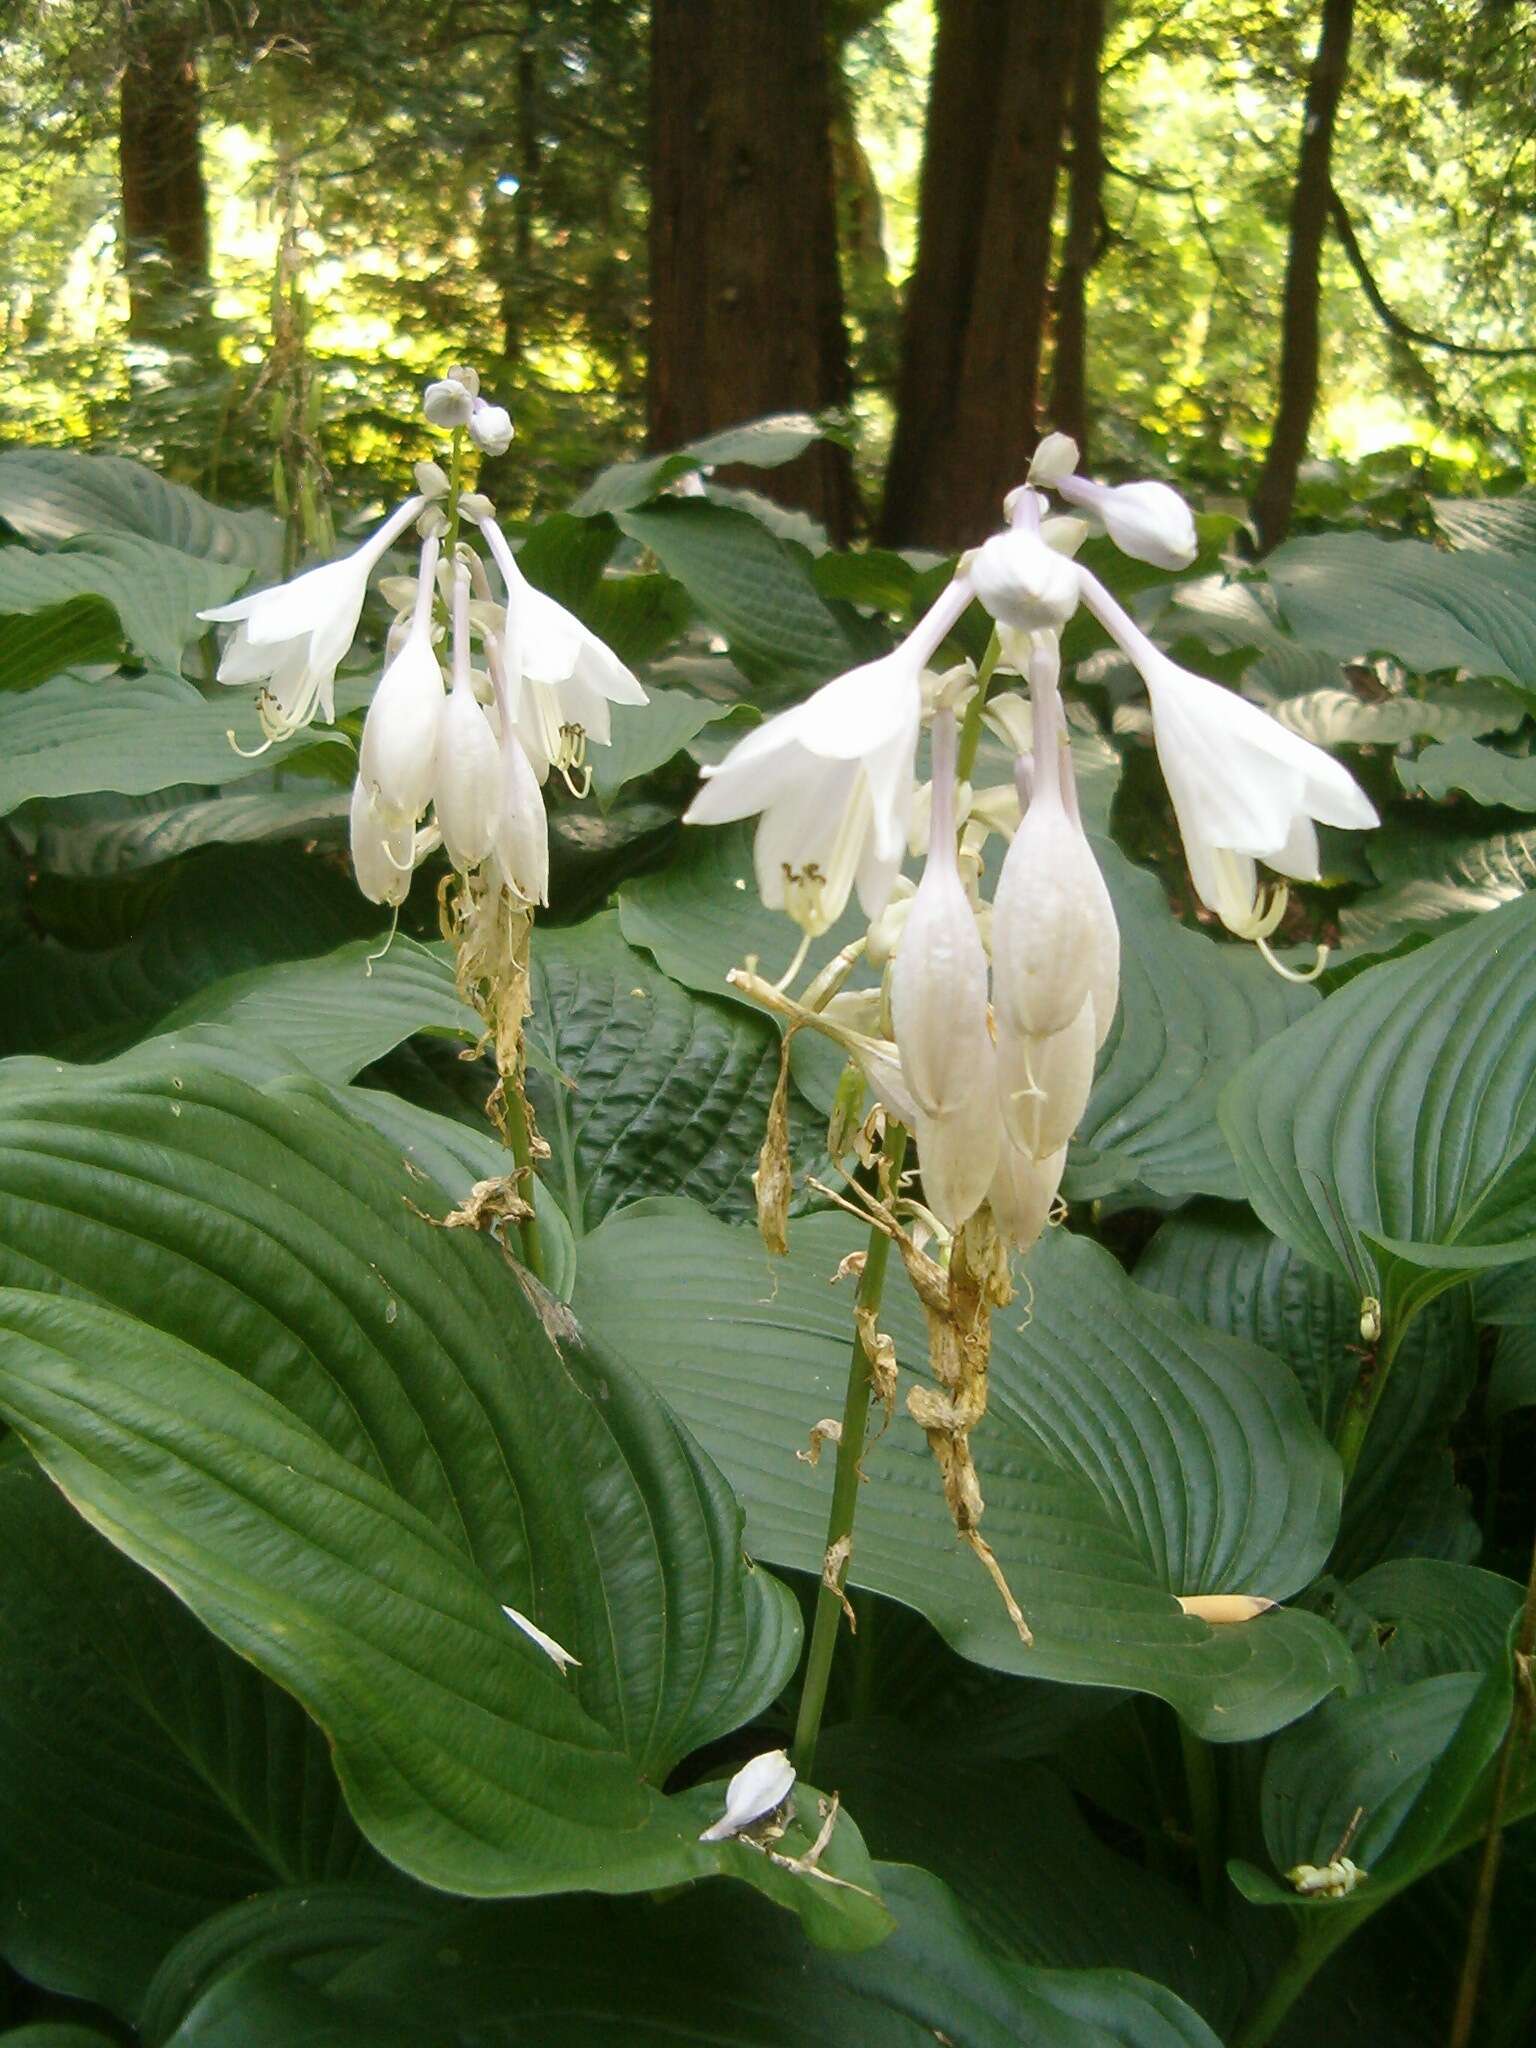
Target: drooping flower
520,841
292,637
1148,521
561,678
383,849
1022,1192
758,1789
832,780
468,787
398,756
1244,789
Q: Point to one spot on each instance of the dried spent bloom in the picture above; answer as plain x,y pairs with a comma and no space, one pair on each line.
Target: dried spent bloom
758,1789
545,1642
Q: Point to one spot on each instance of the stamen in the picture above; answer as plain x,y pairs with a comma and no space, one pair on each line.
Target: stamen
570,762
1293,973
794,966
247,753
394,926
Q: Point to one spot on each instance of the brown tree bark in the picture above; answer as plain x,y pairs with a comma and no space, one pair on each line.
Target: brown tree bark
1083,241
1299,334
976,302
746,298
164,200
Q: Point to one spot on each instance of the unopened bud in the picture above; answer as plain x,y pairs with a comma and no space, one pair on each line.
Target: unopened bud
433,523
491,429
431,479
1055,458
461,373
1023,583
476,505
1148,521
447,403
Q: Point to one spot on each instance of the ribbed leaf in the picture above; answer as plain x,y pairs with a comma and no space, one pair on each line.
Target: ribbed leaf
76,633
1228,1271
51,494
1335,718
1129,1454
1483,773
156,591
102,835
1425,1619
342,1436
1430,878
719,1967
148,1776
648,1088
1390,1136
67,737
646,736
765,443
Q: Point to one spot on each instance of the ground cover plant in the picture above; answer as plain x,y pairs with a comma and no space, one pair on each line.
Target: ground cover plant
537,1285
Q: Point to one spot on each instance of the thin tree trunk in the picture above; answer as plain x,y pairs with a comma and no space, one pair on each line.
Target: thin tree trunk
969,382
1299,337
1083,241
746,297
164,200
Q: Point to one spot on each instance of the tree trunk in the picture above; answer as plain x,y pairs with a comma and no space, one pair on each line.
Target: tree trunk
746,298
1299,346
164,200
976,302
1083,242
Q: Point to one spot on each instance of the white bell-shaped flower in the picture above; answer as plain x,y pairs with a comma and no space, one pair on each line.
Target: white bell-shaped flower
382,849
939,979
561,678
1022,1192
1044,1082
957,1153
1244,789
292,637
758,1789
521,840
1044,961
832,779
468,790
1148,521
398,756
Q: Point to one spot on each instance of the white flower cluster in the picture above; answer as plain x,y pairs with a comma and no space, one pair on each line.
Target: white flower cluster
526,687
983,1035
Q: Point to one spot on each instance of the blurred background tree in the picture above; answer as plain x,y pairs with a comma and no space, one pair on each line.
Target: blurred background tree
947,224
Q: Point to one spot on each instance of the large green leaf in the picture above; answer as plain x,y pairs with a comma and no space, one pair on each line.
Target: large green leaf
1483,773
752,587
1129,1455
1335,718
646,736
148,1776
132,734
648,1089
1432,877
1390,1136
52,494
156,591
78,632
1036,1881
716,1967
1427,1618
1354,594
344,1439
100,835
1228,1271
88,991
765,443
1508,523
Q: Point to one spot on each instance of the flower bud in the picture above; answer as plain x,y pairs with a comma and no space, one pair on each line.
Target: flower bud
1055,458
461,373
1022,1192
447,403
431,479
1148,521
1023,583
433,523
475,505
490,428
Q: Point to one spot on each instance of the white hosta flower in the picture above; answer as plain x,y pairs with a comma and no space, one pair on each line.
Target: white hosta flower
758,1789
957,1153
1022,1192
467,793
1024,582
545,1642
1045,911
939,980
1244,789
490,428
832,780
561,678
292,637
1148,521
521,839
398,756
449,402
383,849
1044,1082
